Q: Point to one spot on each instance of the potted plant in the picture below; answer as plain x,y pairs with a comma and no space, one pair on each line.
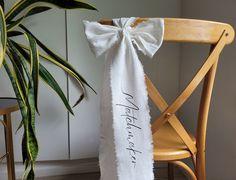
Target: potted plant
23,67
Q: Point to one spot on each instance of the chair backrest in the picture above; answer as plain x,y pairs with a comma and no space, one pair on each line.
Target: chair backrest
194,31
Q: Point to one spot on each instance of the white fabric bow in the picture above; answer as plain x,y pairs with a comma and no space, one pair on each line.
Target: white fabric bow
126,151
147,36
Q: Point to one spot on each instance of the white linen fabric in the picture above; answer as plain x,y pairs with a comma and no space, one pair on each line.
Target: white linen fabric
126,150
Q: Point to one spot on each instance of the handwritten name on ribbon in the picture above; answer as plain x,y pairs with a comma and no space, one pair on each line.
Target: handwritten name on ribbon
132,128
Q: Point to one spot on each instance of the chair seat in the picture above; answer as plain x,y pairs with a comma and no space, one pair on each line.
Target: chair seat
168,145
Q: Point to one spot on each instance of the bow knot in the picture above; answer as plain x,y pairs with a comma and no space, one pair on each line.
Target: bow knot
147,36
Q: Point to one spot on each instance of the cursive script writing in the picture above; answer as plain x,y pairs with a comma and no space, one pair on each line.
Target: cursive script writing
130,110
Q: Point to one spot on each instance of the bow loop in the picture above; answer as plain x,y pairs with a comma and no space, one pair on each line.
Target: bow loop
148,36
101,38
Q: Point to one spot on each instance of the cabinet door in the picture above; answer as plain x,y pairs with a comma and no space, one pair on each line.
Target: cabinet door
84,126
52,124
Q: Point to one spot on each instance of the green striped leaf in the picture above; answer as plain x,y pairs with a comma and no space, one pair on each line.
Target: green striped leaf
63,63
66,4
23,109
57,60
21,103
14,33
3,35
71,73
2,4
66,69
79,100
33,11
37,10
47,78
32,140
24,146
31,174
25,69
18,74
32,144
34,67
19,59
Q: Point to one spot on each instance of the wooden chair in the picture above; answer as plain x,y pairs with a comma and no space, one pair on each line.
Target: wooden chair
8,106
172,143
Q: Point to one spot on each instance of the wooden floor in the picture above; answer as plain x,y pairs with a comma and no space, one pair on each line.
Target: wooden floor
92,176
95,176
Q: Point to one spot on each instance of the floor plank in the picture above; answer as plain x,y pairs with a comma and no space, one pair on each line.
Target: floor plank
95,176
90,176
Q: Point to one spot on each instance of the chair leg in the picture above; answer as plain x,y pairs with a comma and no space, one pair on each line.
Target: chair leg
201,166
186,168
170,171
9,147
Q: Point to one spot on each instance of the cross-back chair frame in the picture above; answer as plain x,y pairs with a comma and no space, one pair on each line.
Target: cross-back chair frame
194,31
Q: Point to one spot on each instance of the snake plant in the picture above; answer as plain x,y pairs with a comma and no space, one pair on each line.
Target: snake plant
23,66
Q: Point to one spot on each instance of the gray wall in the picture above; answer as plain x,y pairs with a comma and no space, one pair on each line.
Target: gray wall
221,158
77,137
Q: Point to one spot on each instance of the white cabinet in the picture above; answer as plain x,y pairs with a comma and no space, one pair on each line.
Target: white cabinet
84,126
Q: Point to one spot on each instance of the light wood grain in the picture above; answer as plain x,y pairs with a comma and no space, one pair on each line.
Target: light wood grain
172,142
7,106
190,30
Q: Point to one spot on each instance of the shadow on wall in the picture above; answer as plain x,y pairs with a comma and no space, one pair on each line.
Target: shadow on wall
221,158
